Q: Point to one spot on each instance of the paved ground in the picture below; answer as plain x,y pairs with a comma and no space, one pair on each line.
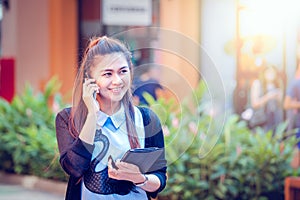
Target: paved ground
17,192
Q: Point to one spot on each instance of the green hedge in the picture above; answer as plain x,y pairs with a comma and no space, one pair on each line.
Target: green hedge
243,164
28,142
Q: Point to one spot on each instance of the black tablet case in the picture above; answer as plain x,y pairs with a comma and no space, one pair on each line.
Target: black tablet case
147,159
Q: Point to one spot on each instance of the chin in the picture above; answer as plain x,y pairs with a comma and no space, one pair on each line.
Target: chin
117,98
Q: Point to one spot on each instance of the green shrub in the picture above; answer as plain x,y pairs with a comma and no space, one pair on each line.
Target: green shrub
28,134
243,164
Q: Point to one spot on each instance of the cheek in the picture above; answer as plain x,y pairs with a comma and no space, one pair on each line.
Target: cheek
127,78
102,83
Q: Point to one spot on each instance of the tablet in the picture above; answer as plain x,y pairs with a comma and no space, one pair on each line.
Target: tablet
147,159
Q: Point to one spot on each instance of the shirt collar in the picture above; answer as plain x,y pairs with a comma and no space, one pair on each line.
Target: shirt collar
117,118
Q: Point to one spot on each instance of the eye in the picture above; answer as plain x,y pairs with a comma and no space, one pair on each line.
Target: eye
124,71
107,74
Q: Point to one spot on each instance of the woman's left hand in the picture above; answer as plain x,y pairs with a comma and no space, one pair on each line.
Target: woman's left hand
125,171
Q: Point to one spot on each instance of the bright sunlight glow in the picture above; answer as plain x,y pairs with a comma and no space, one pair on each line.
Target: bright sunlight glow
268,17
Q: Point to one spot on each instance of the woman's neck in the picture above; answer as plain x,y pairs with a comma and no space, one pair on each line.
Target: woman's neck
110,108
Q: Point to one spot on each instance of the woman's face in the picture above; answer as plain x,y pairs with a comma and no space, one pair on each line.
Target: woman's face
112,74
270,74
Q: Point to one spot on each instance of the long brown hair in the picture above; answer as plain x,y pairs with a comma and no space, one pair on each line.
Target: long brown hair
101,46
277,79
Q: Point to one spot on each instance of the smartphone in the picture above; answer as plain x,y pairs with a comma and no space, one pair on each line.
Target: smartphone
94,93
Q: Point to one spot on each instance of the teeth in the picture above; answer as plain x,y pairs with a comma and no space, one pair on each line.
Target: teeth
116,89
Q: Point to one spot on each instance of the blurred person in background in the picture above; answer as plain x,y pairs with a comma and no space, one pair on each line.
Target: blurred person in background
266,94
292,106
292,101
146,82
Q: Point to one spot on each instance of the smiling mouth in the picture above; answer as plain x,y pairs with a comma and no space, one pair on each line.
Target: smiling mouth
118,89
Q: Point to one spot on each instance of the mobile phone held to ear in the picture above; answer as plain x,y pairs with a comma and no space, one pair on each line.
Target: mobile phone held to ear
94,93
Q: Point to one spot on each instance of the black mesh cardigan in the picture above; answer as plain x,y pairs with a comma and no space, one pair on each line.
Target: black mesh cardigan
75,155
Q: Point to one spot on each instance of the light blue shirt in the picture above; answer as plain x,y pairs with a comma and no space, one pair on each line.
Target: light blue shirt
116,132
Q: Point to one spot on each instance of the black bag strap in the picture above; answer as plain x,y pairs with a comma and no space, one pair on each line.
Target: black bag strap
146,115
146,120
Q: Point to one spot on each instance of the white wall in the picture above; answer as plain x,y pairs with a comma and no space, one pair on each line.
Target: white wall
217,28
25,37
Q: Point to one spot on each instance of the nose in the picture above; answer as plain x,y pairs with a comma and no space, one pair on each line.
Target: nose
116,79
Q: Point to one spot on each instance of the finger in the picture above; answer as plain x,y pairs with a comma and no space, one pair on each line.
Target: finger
118,164
109,164
89,84
111,171
89,80
91,88
128,168
128,165
95,88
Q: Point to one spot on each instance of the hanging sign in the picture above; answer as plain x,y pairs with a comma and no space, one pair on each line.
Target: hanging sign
127,12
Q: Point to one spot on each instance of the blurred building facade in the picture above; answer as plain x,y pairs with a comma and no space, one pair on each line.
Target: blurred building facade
47,37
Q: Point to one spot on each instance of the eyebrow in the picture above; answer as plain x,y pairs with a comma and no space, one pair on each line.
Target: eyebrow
105,70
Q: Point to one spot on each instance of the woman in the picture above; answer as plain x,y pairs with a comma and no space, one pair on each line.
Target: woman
266,94
102,125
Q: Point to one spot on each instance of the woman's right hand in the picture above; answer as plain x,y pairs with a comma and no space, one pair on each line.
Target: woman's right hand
88,88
